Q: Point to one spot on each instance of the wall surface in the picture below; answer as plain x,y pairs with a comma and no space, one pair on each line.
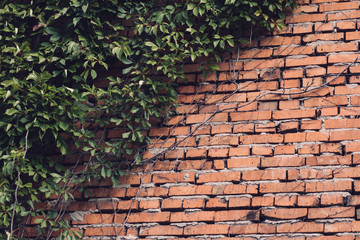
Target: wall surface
266,148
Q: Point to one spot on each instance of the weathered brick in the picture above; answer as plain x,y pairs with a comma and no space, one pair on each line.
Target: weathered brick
262,201
252,228
283,213
192,216
237,215
300,227
243,162
219,177
239,202
282,187
329,186
210,229
194,203
293,62
161,230
282,161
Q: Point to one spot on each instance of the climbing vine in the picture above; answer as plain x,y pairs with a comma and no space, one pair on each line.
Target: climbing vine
69,69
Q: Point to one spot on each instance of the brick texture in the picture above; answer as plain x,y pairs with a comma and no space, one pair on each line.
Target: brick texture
280,161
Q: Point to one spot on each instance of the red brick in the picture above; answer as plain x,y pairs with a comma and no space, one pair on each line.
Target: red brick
264,64
351,172
290,83
219,140
325,160
265,138
282,187
288,126
331,212
218,152
149,204
171,203
355,100
256,53
283,213
340,80
249,116
311,82
243,162
345,135
305,61
346,25
219,164
219,177
317,136
324,27
331,148
341,227
173,177
280,41
265,127
308,201
337,47
262,201
309,149
174,154
315,173
303,28
282,161
239,202
306,18
160,231
210,229
323,37
261,150
342,58
293,73
221,129
239,151
329,111
326,101
216,203
190,98
289,104
289,114
237,215
286,200
352,147
194,203
311,124
340,15
104,231
349,111
244,128
196,153
96,219
143,217
327,7
336,69
192,216
199,118
237,189
256,228
271,174
312,72
190,190
328,186
284,149
305,9
332,199
193,165
300,227
295,137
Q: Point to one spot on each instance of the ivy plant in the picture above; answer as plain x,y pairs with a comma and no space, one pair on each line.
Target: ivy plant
69,69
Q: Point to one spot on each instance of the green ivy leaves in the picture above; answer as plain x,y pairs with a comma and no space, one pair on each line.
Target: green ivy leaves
57,97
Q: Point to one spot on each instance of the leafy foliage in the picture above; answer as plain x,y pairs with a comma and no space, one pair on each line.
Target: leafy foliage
54,56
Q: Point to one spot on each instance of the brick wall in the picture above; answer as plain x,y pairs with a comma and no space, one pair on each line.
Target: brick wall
266,148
